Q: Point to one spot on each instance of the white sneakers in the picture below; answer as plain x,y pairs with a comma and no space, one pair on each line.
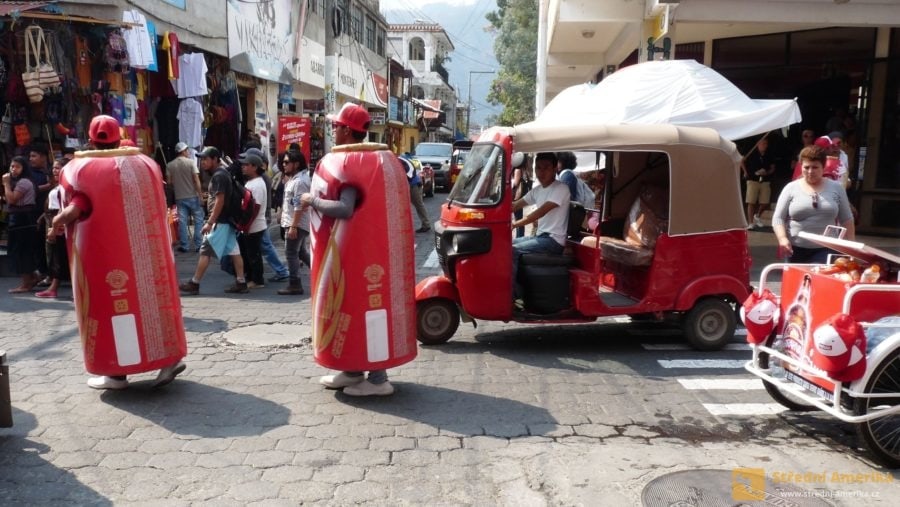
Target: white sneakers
757,221
356,385
367,388
340,380
165,376
104,382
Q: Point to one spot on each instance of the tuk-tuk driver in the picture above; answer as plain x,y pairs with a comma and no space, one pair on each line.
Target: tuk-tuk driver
551,199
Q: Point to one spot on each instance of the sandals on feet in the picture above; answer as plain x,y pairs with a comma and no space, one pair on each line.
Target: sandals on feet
46,294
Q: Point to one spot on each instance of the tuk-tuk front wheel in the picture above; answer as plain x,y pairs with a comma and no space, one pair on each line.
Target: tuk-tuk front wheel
436,320
710,324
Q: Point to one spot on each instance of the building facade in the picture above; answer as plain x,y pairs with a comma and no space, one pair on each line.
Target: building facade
839,59
423,48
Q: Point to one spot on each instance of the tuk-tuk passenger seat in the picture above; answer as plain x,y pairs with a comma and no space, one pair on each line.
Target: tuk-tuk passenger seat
646,220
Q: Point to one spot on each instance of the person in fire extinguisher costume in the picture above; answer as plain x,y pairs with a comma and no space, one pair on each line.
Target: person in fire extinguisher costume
122,267
363,272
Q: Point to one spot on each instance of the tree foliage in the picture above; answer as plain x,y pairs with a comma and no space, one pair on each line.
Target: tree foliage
515,47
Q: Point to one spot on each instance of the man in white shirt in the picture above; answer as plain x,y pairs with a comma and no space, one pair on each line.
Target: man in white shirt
551,200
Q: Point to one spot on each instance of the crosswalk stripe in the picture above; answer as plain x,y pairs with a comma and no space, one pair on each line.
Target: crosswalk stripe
682,346
717,384
743,408
432,261
702,363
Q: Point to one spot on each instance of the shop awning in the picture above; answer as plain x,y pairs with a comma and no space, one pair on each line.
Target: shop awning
30,10
432,107
11,8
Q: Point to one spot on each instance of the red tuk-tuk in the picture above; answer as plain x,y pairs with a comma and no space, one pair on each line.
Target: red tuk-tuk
672,243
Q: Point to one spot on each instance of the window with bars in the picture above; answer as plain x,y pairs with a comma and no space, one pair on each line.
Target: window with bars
316,6
370,33
380,36
356,28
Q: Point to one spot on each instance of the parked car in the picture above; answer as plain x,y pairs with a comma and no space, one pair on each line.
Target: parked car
458,158
436,156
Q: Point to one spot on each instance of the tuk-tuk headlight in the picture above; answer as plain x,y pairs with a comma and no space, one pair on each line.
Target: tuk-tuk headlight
469,215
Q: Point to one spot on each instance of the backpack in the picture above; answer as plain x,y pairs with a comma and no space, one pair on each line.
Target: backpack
244,207
583,193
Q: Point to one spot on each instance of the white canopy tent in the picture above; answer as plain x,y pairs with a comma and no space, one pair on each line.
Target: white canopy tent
678,92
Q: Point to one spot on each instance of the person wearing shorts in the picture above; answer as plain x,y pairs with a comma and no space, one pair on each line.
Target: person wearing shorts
757,169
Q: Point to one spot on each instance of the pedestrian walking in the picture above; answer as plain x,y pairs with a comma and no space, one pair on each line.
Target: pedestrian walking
295,219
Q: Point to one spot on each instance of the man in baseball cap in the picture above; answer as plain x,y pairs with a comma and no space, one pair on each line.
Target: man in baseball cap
104,132
352,122
183,179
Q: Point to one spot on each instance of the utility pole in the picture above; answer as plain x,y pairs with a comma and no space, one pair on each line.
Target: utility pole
332,69
469,100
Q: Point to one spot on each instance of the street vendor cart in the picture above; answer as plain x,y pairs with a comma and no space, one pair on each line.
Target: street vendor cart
832,340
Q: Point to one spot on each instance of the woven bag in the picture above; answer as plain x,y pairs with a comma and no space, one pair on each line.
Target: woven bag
34,36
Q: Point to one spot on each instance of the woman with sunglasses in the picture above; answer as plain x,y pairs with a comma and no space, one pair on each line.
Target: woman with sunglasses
810,203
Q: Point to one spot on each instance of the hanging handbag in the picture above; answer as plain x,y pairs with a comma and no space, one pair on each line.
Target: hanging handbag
32,75
6,125
48,77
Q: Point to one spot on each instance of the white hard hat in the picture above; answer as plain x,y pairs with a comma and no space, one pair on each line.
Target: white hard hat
518,158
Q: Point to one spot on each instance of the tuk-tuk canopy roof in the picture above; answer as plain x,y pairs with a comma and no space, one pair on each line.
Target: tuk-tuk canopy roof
704,194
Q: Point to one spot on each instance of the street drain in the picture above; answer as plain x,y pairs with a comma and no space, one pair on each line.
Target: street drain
269,335
727,488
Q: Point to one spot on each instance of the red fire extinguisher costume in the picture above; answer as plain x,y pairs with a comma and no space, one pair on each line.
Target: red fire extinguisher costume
123,271
363,272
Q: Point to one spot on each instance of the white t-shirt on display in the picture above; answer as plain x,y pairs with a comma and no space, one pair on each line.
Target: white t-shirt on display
257,187
556,221
192,71
190,122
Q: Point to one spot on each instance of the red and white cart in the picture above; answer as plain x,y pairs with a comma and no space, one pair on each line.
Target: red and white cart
816,299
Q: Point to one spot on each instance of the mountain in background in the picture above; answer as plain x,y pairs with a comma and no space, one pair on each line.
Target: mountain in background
467,28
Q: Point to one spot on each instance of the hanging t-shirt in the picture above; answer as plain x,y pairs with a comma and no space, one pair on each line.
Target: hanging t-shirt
190,122
117,108
130,104
192,82
170,44
141,89
151,31
82,63
137,39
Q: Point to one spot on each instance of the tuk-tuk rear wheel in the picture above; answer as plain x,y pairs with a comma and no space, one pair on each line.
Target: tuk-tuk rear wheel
436,321
881,435
710,324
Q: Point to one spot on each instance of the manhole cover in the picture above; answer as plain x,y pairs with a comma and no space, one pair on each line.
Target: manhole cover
268,335
727,488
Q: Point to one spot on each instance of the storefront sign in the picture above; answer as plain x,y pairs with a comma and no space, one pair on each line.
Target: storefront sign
285,93
377,117
394,109
260,41
294,129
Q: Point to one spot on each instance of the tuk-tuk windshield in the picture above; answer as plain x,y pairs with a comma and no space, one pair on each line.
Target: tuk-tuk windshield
481,179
